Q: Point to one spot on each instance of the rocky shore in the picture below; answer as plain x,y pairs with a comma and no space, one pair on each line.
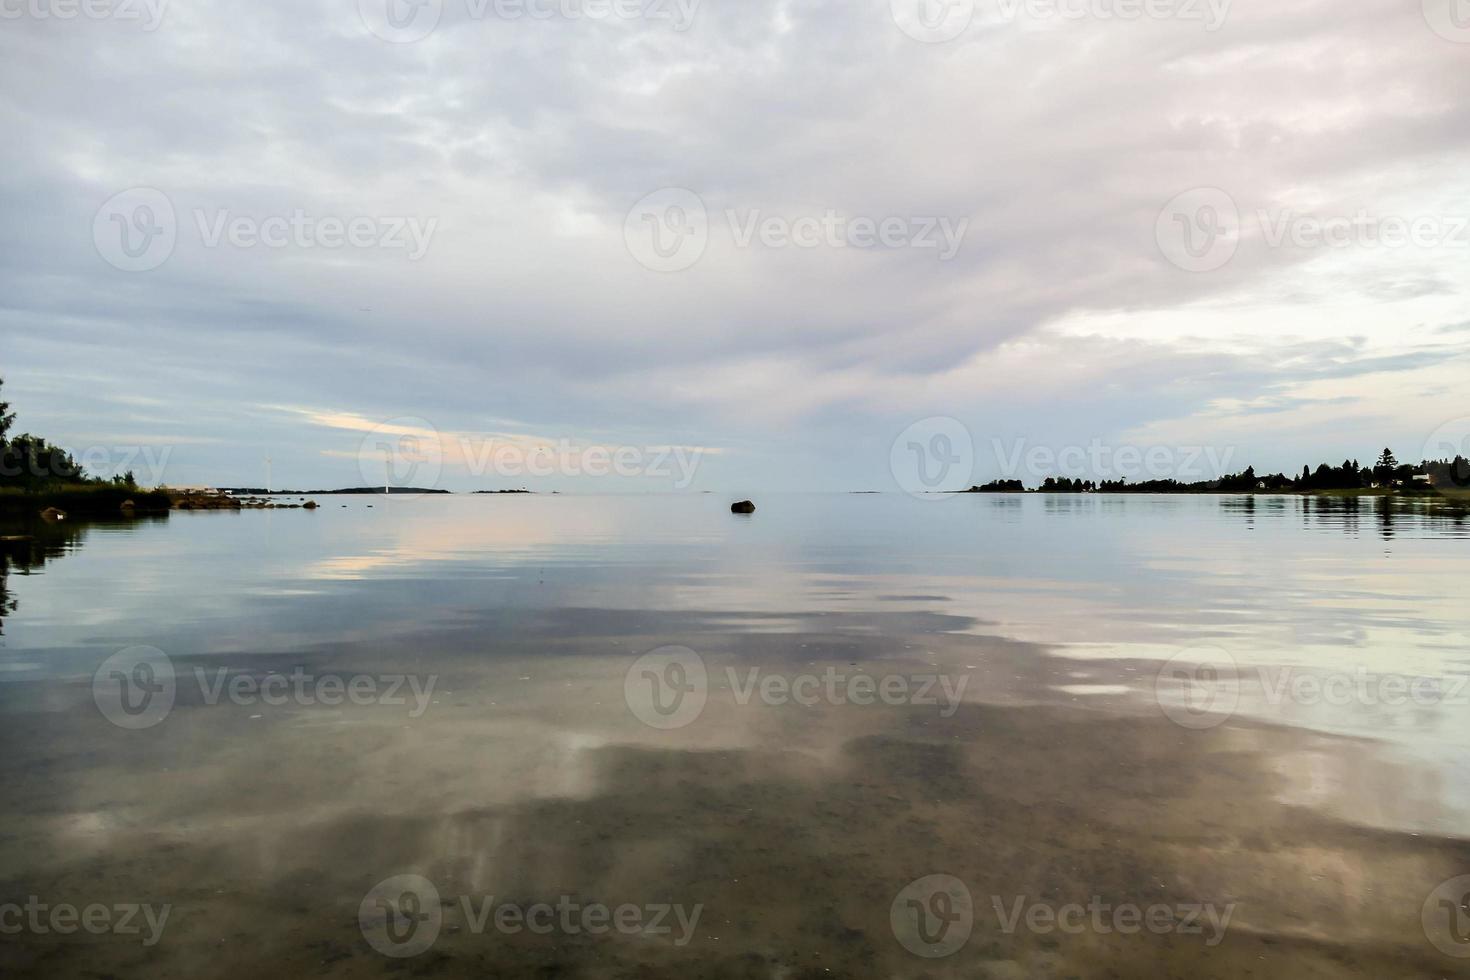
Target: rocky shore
192,500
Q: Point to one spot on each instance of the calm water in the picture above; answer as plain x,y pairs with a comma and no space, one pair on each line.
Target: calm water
849,736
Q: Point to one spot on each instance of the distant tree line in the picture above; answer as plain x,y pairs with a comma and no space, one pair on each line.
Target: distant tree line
1387,472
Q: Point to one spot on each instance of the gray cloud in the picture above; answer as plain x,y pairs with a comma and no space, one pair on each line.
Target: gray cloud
528,142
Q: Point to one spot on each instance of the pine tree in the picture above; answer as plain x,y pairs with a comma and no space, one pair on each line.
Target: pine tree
1383,471
6,418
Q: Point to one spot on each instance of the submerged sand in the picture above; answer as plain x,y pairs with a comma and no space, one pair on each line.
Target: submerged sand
793,828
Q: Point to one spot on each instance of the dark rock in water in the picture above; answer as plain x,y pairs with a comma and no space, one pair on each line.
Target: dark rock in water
744,507
207,500
310,505
131,508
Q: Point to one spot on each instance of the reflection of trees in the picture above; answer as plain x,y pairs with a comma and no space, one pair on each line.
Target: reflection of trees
7,604
1388,517
40,542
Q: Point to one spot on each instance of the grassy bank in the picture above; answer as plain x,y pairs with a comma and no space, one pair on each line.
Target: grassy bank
102,500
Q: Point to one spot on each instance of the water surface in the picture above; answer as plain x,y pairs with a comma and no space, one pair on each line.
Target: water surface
1186,702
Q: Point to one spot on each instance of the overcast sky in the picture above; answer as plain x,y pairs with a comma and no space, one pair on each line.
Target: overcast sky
791,239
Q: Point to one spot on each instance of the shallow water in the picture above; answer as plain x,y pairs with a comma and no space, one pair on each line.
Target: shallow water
1172,736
